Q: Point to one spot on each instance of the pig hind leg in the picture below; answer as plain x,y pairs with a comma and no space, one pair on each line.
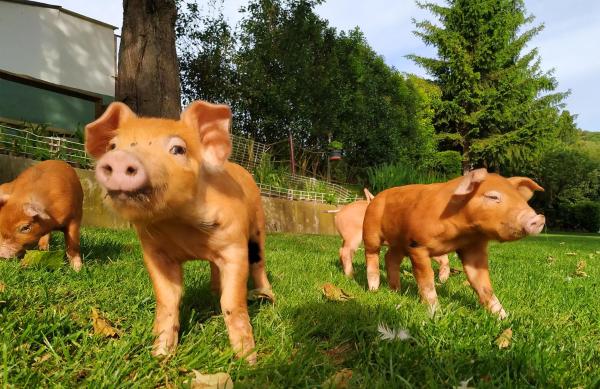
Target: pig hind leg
44,242
71,232
393,259
421,264
349,247
256,258
444,263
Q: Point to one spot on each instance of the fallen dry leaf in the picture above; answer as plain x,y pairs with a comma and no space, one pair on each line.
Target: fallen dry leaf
339,354
211,381
261,294
580,271
550,260
340,380
570,253
102,326
2,287
41,359
333,293
503,341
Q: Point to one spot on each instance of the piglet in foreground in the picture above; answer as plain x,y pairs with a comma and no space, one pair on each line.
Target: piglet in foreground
349,224
43,198
460,215
172,180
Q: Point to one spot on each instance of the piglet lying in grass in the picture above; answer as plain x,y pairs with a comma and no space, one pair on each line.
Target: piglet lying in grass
349,224
43,198
460,215
172,180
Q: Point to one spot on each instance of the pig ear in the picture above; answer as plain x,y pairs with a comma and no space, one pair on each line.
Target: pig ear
212,122
525,186
101,131
470,181
35,209
3,198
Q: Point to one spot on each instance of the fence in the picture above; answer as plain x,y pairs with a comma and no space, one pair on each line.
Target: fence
246,152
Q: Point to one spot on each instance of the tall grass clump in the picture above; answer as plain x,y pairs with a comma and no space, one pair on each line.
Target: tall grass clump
401,173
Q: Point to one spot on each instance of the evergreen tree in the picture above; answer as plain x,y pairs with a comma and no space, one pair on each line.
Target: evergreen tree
497,107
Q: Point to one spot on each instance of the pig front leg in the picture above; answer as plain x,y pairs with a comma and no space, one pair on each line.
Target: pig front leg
71,233
167,281
423,272
234,268
215,279
475,264
44,242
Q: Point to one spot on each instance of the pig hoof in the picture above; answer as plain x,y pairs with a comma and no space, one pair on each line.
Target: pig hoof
261,294
161,350
251,358
444,274
502,314
76,263
433,309
373,281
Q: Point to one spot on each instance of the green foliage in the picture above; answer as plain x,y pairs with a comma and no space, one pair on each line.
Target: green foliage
497,107
571,179
336,145
401,173
447,163
284,71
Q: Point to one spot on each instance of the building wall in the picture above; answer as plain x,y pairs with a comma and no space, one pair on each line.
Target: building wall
57,47
281,215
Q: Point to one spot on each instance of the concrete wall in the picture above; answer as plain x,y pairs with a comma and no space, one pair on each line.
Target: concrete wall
281,215
55,45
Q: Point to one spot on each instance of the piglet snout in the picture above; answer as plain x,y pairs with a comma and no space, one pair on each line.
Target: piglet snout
121,171
534,224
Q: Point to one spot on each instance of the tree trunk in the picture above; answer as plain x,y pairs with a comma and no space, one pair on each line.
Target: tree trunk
148,76
466,157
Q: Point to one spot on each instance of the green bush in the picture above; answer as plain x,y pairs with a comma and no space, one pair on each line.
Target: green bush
585,215
447,163
389,175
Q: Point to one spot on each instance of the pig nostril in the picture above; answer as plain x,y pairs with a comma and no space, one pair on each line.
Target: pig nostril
131,171
107,169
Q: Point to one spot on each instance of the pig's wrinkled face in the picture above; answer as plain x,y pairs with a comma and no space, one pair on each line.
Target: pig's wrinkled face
151,167
21,226
499,208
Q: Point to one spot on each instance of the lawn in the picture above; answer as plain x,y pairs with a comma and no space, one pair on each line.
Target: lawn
46,333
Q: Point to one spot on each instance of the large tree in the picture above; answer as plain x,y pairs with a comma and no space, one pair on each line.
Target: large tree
497,105
148,74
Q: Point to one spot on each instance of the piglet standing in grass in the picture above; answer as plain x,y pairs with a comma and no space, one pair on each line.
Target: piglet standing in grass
43,198
460,215
349,224
172,180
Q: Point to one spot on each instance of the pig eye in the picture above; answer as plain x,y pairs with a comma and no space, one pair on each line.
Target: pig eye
25,229
111,146
493,196
177,150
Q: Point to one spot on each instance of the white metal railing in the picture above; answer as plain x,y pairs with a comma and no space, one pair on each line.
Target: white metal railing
245,152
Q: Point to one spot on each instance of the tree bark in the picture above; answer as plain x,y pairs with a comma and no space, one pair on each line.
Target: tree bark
148,74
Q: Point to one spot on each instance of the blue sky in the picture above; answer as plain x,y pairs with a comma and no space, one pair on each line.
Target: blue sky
570,42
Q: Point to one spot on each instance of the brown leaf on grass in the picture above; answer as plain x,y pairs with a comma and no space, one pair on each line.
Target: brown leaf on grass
102,326
41,359
505,338
550,260
261,294
211,381
340,380
333,293
2,287
580,271
570,253
339,354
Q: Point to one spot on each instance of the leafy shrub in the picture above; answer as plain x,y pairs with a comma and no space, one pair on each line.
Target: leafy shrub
447,163
585,216
389,175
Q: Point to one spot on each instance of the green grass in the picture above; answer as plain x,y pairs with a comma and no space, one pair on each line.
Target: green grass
46,335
